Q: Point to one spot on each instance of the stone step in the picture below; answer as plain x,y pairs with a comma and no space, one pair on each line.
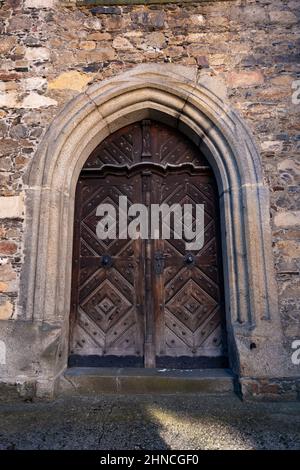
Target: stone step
94,381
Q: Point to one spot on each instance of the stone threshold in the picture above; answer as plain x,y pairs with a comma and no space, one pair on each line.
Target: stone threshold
94,381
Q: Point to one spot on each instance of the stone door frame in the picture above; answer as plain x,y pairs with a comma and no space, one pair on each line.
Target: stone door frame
180,97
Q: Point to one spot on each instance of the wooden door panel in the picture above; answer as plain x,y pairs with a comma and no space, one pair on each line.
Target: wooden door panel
145,141
189,298
107,320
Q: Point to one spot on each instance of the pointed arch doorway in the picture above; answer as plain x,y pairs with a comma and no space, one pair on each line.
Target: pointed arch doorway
193,105
146,302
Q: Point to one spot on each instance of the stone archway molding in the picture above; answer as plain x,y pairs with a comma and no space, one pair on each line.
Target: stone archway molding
195,104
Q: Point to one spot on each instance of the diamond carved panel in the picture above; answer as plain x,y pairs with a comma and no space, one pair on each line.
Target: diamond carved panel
191,305
106,306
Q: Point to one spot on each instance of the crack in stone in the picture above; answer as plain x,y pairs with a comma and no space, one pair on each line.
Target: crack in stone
105,420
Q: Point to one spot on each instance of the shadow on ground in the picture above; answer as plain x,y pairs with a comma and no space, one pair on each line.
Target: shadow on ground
150,422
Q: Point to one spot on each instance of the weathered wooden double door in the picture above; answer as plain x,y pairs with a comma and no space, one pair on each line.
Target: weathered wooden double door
146,302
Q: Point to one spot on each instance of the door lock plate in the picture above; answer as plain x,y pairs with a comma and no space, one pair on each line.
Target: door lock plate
159,262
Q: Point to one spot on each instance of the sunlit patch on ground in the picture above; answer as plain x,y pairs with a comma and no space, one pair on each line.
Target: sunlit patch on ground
150,422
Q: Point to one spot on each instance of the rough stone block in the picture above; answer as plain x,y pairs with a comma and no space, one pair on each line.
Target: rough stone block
283,17
9,99
34,83
245,79
87,45
7,43
121,43
7,278
72,80
291,165
99,37
155,40
6,308
106,10
8,248
96,55
40,3
202,61
289,248
11,207
35,100
287,219
37,53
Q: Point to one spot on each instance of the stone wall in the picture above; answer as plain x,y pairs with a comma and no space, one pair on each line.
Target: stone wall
51,51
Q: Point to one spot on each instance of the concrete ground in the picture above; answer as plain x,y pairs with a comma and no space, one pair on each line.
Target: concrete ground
150,422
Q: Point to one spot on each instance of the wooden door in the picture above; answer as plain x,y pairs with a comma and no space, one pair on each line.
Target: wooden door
189,319
146,302
108,285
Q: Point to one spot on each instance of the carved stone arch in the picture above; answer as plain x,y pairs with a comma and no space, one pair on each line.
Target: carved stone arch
179,97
